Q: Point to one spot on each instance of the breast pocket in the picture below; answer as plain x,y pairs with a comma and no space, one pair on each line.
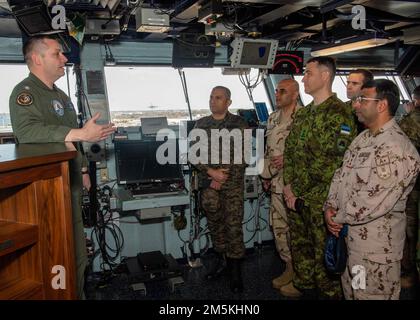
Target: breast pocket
362,169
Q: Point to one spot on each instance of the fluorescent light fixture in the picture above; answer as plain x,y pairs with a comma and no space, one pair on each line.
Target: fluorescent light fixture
354,44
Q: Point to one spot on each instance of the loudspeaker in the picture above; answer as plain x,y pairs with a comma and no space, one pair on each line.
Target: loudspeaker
193,50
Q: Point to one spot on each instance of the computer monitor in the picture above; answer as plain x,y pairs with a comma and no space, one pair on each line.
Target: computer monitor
262,111
136,162
250,116
151,126
253,53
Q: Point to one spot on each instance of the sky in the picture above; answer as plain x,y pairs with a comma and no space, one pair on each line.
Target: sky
139,87
136,88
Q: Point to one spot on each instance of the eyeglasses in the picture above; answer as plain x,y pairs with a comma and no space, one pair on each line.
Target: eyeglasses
361,99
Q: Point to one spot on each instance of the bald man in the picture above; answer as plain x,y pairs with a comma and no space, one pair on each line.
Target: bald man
278,128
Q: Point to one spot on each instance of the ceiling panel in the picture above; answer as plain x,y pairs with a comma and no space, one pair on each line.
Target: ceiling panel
409,9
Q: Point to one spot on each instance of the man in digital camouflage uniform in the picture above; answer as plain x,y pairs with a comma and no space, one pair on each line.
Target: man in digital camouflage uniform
355,80
222,188
41,113
320,135
369,193
278,127
410,124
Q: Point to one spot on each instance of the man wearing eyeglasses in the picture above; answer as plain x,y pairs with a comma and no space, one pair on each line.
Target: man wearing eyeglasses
356,79
369,194
410,124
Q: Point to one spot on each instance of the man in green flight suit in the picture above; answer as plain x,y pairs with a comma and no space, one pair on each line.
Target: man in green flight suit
320,135
410,124
42,113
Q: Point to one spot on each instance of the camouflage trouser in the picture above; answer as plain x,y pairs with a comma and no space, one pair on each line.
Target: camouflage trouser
408,263
280,225
307,238
225,212
382,281
79,243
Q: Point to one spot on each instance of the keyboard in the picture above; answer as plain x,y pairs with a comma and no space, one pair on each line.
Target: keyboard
157,190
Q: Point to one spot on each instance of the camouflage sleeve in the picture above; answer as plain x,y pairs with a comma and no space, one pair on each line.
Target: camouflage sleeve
29,126
289,151
391,176
412,129
199,166
329,142
238,161
332,199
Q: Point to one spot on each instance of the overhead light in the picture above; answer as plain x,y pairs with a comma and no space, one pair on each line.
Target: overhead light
348,45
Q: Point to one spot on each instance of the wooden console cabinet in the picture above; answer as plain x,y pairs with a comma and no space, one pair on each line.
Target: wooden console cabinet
36,230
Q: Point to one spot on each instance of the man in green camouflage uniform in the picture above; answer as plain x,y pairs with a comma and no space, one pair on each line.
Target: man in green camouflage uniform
41,113
222,187
320,135
356,79
410,124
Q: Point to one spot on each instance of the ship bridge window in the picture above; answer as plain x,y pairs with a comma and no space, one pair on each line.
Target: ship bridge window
339,87
15,74
139,92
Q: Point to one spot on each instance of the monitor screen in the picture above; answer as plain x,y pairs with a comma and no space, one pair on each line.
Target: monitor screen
262,111
136,162
255,53
250,116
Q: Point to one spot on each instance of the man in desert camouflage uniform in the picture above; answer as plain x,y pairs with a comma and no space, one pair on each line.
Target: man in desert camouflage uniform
369,193
410,124
278,128
356,79
321,133
222,195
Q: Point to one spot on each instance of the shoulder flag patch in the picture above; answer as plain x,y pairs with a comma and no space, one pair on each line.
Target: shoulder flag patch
24,99
345,129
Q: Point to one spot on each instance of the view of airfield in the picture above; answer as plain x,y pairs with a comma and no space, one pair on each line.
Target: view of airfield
132,118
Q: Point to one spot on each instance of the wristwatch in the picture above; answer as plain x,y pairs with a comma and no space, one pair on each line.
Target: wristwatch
86,171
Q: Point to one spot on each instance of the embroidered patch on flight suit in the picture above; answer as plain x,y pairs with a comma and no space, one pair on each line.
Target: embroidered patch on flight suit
58,107
383,167
24,99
